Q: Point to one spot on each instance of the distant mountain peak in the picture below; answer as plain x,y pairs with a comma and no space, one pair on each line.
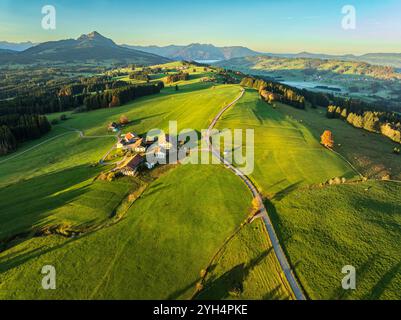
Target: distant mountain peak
95,36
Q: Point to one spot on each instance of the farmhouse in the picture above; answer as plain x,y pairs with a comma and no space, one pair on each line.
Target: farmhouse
130,137
137,145
131,167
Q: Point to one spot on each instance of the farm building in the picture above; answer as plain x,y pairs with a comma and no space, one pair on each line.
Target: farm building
130,137
131,167
134,145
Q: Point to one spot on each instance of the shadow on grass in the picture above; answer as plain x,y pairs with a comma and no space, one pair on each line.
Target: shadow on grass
284,238
286,191
340,293
230,284
28,205
275,294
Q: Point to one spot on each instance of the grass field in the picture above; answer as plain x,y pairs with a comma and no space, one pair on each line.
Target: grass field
171,232
48,181
166,237
325,229
371,153
245,268
287,154
322,229
157,251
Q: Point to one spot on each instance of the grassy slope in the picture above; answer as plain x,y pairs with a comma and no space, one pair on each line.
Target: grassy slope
45,181
320,236
287,154
168,236
247,263
371,153
325,229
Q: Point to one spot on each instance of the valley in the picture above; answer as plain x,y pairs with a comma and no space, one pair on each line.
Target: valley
190,231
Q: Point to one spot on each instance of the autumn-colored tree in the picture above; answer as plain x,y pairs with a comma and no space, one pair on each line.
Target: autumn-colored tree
124,120
115,102
327,139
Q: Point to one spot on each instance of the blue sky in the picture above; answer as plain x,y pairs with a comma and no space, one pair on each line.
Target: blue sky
264,25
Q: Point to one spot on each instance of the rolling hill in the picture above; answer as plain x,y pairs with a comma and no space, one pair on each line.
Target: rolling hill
309,66
89,47
197,51
385,59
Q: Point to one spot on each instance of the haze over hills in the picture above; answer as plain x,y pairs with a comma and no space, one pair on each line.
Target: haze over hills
90,47
197,51
21,46
309,66
386,59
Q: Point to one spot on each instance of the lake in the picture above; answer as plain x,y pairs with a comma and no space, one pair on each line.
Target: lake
207,61
309,85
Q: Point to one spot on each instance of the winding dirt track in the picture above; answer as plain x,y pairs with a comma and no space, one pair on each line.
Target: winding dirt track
262,209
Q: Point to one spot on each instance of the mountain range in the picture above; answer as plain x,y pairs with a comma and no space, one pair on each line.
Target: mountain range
197,51
88,47
95,47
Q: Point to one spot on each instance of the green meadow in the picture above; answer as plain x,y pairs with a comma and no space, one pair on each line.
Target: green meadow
287,154
164,236
324,228
157,252
42,186
151,236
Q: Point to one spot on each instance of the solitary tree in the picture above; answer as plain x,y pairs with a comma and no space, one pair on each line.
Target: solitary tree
327,139
115,102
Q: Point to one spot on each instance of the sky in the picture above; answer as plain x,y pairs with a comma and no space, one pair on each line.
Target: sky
276,26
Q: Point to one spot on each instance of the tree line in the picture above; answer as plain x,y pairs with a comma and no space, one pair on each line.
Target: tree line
15,128
182,76
120,96
140,76
356,112
385,123
273,91
58,99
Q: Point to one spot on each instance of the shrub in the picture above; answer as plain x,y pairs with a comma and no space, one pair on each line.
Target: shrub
124,120
63,117
54,122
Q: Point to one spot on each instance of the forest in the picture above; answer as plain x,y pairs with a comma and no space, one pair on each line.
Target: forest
120,96
16,128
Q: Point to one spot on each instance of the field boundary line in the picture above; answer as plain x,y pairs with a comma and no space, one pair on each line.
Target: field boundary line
347,161
71,130
35,146
280,255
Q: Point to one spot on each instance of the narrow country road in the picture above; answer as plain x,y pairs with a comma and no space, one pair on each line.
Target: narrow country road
262,209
